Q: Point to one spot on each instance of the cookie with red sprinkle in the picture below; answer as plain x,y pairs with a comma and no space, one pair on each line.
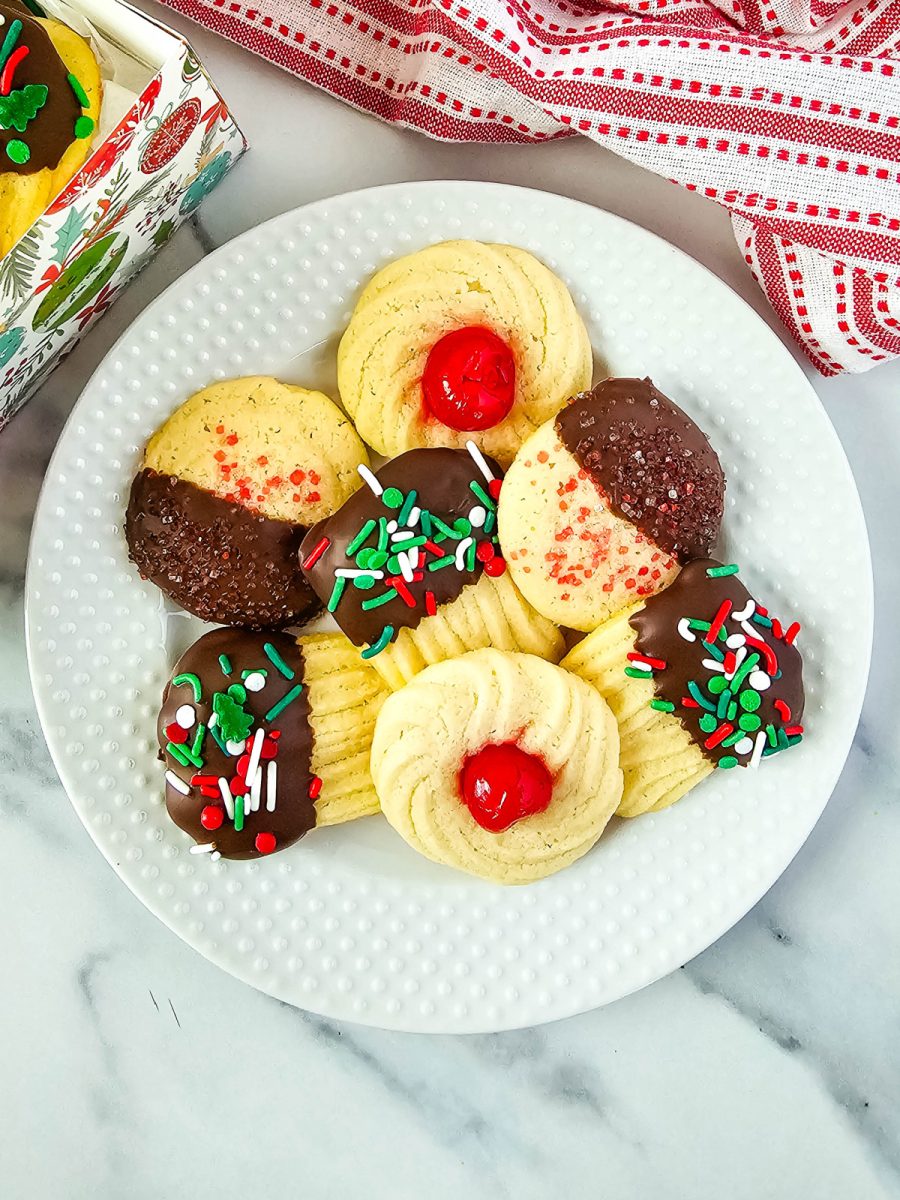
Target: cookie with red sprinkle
264,737
498,764
226,491
700,677
606,501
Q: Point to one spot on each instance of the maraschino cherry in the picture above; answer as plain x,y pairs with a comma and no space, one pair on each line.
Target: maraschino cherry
501,784
469,381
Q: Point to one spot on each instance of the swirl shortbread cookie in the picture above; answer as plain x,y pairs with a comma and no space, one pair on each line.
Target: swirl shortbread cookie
265,737
604,502
411,570
50,91
698,676
459,340
498,764
228,487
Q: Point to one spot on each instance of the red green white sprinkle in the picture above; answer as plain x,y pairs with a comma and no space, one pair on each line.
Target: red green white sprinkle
384,639
370,479
319,549
277,661
178,784
286,699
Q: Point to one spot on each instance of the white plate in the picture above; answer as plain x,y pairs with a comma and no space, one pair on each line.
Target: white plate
350,922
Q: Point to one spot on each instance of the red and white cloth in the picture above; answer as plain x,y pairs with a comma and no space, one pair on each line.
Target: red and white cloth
787,112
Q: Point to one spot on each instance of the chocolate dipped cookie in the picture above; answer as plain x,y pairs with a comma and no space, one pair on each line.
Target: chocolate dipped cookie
411,570
265,737
607,500
50,94
227,489
700,677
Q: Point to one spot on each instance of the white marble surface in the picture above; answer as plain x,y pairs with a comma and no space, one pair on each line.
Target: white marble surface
766,1068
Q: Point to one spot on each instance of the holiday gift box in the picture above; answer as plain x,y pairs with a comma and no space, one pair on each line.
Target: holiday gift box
164,140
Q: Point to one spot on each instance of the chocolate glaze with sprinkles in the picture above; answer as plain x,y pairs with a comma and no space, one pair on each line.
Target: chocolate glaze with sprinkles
428,494
200,810
653,465
215,557
740,697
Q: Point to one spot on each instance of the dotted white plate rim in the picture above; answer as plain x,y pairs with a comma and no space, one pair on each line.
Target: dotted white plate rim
351,923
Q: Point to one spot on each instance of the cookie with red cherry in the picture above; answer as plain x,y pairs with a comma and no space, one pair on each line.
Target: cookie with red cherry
498,764
606,502
461,340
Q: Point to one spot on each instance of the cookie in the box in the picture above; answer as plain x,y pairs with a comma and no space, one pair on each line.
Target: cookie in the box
50,95
606,501
461,340
227,489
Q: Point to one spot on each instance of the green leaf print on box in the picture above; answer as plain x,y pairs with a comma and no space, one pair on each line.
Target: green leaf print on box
81,281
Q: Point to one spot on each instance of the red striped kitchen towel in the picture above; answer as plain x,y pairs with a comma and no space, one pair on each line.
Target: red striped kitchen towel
787,112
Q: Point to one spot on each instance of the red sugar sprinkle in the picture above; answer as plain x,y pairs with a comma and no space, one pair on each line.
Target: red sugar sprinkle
211,793
484,551
313,498
792,632
176,734
220,429
658,664
231,440
434,549
719,735
767,652
265,843
238,786
315,787
204,779
494,488
777,631
297,477
495,567
275,734
316,553
783,710
212,816
398,583
430,604
268,748
718,621
730,662
687,702
263,461
793,730
219,456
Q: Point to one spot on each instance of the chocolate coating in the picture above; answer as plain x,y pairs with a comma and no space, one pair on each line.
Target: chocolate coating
696,596
294,813
441,479
214,557
52,130
655,467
